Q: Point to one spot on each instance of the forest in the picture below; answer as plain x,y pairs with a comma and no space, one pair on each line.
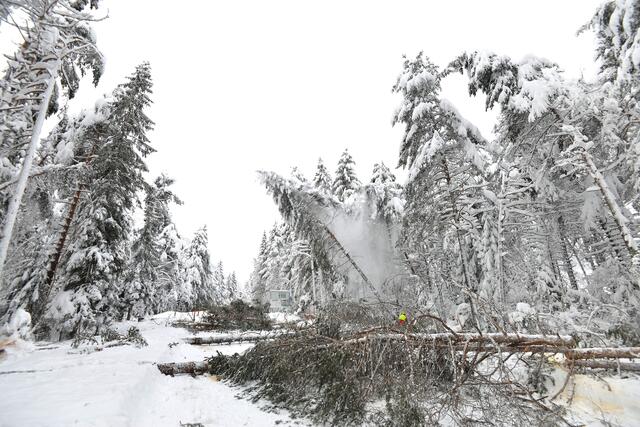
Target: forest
72,258
513,257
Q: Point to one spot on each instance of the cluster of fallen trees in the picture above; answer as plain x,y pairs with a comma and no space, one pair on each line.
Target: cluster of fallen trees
387,376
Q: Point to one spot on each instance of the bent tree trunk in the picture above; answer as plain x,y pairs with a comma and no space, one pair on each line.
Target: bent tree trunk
16,199
59,248
55,258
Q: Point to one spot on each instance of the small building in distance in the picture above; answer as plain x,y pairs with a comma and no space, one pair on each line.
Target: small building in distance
280,300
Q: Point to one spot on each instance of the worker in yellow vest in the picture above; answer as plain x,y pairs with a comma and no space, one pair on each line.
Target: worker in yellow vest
402,319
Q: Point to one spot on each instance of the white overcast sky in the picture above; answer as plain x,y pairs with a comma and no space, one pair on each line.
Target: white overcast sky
246,85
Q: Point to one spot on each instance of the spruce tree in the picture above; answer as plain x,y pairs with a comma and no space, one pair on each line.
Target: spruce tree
219,284
231,287
171,269
385,195
98,253
322,179
147,264
197,271
345,183
257,281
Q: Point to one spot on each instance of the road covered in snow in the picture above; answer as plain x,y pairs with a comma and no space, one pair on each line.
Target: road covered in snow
58,385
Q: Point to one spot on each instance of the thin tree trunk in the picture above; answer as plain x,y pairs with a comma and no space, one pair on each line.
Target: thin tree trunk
14,204
554,264
584,272
565,254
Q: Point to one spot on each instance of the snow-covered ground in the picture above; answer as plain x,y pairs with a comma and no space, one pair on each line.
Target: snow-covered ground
57,385
600,400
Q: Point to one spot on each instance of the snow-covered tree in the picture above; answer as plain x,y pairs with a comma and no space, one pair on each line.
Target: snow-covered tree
322,179
59,47
170,270
385,195
257,281
441,150
98,251
148,265
220,284
198,277
345,183
231,287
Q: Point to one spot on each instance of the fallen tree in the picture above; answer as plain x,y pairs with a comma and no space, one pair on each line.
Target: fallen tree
237,338
422,377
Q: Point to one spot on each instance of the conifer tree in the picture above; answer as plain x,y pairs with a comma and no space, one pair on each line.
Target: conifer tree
59,47
98,254
345,183
231,287
385,195
440,148
171,269
220,284
147,251
197,271
257,281
322,179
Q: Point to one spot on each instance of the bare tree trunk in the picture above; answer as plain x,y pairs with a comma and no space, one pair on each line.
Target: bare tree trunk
350,259
584,272
611,353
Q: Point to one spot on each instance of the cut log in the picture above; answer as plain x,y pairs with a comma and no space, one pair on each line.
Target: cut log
191,368
606,364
